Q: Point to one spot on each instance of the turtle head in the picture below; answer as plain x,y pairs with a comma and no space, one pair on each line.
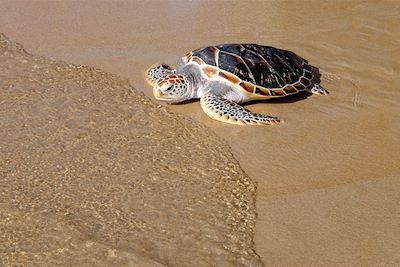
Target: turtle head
158,71
172,89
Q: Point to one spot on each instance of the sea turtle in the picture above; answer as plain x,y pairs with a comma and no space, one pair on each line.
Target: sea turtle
224,76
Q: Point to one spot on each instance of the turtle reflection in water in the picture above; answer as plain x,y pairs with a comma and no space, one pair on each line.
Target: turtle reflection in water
224,76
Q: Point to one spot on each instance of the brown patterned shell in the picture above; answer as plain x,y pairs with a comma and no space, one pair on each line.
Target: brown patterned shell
258,71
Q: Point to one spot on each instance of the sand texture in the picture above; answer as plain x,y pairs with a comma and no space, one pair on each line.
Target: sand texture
328,178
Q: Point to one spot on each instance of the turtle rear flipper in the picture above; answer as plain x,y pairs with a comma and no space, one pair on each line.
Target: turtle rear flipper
318,90
223,109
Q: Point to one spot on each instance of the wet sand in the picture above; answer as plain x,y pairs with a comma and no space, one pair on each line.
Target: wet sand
328,178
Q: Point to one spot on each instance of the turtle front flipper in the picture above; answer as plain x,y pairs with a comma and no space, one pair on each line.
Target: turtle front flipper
223,109
158,71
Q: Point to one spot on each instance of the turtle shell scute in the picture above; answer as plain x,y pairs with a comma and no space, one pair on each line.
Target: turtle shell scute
279,72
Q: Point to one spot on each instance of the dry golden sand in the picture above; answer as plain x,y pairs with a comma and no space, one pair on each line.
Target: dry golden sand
94,174
329,178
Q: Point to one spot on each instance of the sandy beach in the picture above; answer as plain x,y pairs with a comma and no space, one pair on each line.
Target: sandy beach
325,185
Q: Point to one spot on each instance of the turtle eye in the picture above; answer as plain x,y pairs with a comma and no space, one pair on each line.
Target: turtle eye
169,88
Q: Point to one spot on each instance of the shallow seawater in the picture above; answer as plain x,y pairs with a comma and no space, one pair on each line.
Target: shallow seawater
93,173
328,178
